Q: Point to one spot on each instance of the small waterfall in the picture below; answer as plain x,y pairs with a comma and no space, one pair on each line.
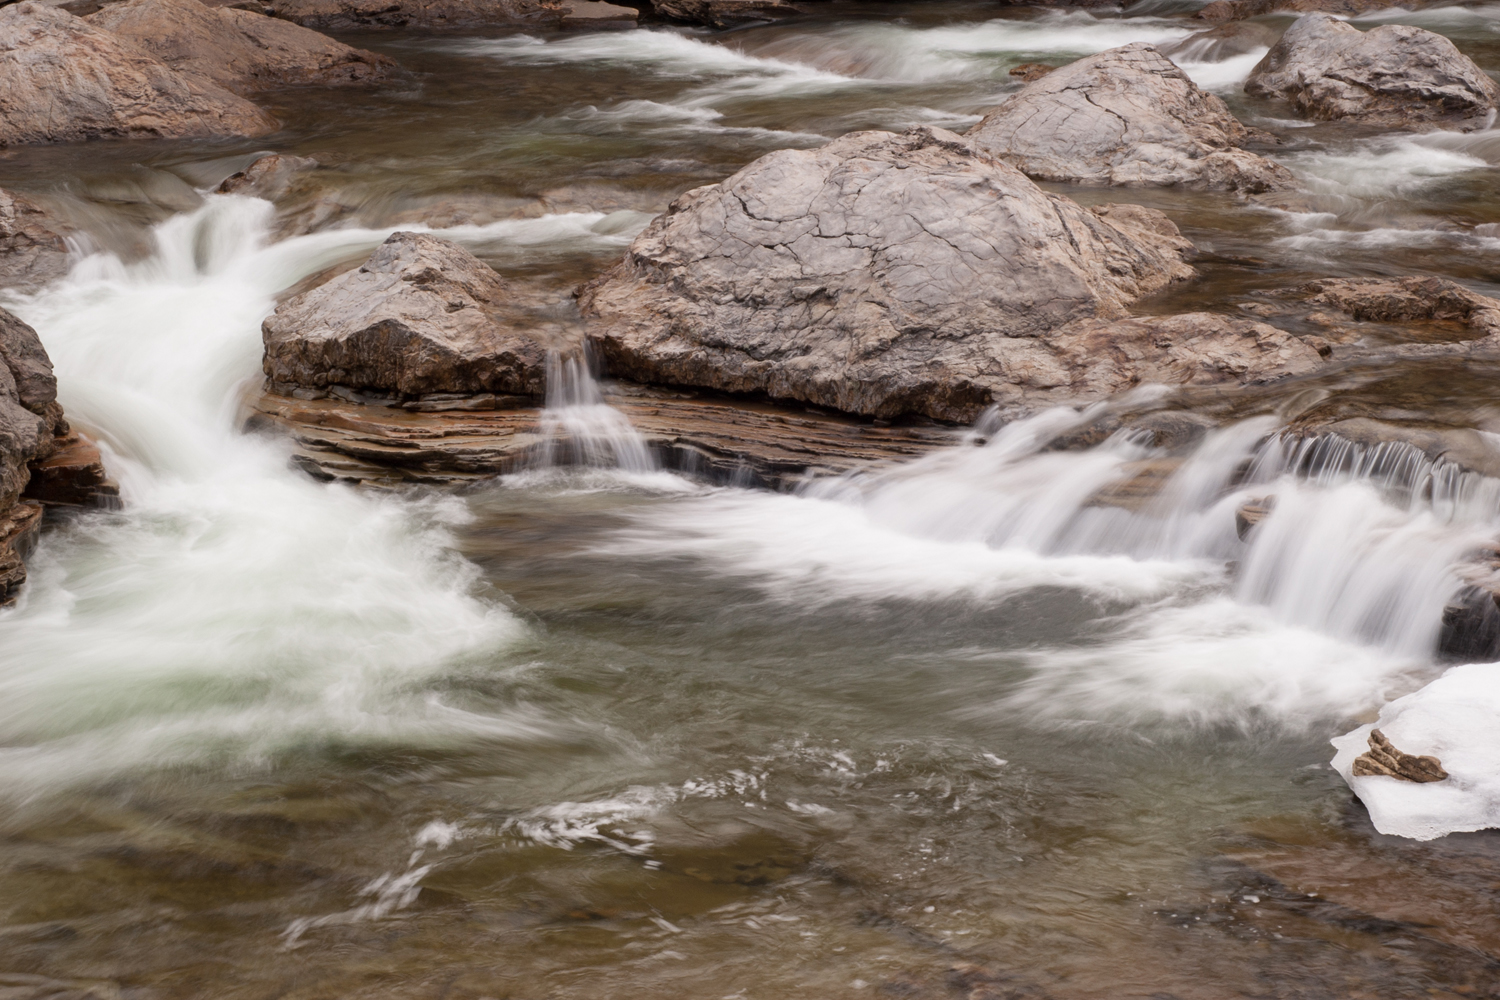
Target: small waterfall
580,429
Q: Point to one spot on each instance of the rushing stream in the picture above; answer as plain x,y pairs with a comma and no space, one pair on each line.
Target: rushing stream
940,729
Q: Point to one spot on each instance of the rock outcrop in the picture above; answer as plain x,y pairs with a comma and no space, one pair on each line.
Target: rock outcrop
1411,299
33,250
722,13
63,79
1393,76
421,316
596,14
1383,759
1235,10
1126,117
888,274
240,50
348,15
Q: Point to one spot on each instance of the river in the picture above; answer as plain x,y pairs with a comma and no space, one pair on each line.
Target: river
937,730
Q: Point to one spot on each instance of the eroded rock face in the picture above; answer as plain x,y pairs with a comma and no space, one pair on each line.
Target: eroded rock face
1126,117
30,420
421,316
888,274
33,251
63,79
240,50
722,13
345,15
1383,759
1394,75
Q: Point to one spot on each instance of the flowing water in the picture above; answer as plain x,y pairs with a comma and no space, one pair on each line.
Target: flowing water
943,729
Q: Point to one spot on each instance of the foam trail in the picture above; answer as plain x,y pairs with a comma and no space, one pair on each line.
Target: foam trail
235,610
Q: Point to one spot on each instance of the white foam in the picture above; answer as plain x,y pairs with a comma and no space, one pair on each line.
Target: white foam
1403,165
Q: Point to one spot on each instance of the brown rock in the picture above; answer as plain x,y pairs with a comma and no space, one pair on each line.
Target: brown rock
347,15
268,177
1234,10
598,14
73,475
422,315
1393,76
1404,300
29,415
63,79
1383,759
1126,117
242,51
1251,513
33,251
723,13
1031,71
20,527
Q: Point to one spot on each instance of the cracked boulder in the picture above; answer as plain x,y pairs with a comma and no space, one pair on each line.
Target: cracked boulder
909,274
1393,76
421,316
63,79
1127,117
240,50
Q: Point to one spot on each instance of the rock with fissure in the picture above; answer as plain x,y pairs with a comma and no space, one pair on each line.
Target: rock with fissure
1126,117
63,79
889,274
1393,76
240,50
422,315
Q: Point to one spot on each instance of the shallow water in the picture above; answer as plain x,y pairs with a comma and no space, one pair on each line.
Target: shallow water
940,730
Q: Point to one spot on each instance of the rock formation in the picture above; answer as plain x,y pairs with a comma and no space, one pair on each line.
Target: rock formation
597,14
33,251
63,79
346,15
1383,759
421,316
1405,300
1234,10
240,50
890,274
1126,117
722,13
1393,76
268,177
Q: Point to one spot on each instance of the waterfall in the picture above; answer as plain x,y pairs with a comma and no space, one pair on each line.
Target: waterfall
579,428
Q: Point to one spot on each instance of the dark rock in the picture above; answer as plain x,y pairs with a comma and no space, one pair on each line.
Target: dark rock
1126,117
1234,10
29,415
63,79
422,315
1383,759
1394,76
1026,72
33,251
596,14
349,15
1251,513
20,526
268,177
73,475
723,13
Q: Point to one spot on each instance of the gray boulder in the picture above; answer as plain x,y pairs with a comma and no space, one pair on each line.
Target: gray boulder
29,414
63,79
421,316
1393,76
1126,117
888,274
33,251
240,50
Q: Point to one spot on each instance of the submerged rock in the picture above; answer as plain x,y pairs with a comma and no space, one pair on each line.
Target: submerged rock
422,315
1393,76
723,13
33,251
1383,759
268,177
63,79
346,15
1126,117
1026,72
241,50
1405,300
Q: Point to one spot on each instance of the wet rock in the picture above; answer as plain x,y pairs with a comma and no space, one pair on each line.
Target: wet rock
1383,759
1251,513
242,51
20,526
1404,300
1126,117
1393,76
1148,220
29,415
1026,72
1223,42
722,13
1139,484
881,274
422,315
33,251
597,14
73,475
268,177
1234,10
63,79
348,15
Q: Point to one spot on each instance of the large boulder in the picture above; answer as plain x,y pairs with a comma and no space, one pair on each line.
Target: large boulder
1126,117
33,250
346,15
889,274
1394,76
421,316
240,50
63,79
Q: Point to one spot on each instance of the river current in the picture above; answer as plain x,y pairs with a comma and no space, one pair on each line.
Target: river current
941,729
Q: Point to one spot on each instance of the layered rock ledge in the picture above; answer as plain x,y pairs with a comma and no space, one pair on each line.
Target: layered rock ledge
375,15
1126,117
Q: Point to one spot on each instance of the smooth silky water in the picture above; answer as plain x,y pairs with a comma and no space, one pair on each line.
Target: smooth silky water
924,731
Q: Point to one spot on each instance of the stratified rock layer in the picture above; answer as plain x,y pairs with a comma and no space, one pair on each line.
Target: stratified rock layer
240,50
63,79
1393,76
33,251
345,15
422,315
1125,117
723,13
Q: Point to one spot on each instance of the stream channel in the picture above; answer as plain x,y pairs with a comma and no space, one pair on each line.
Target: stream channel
941,730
